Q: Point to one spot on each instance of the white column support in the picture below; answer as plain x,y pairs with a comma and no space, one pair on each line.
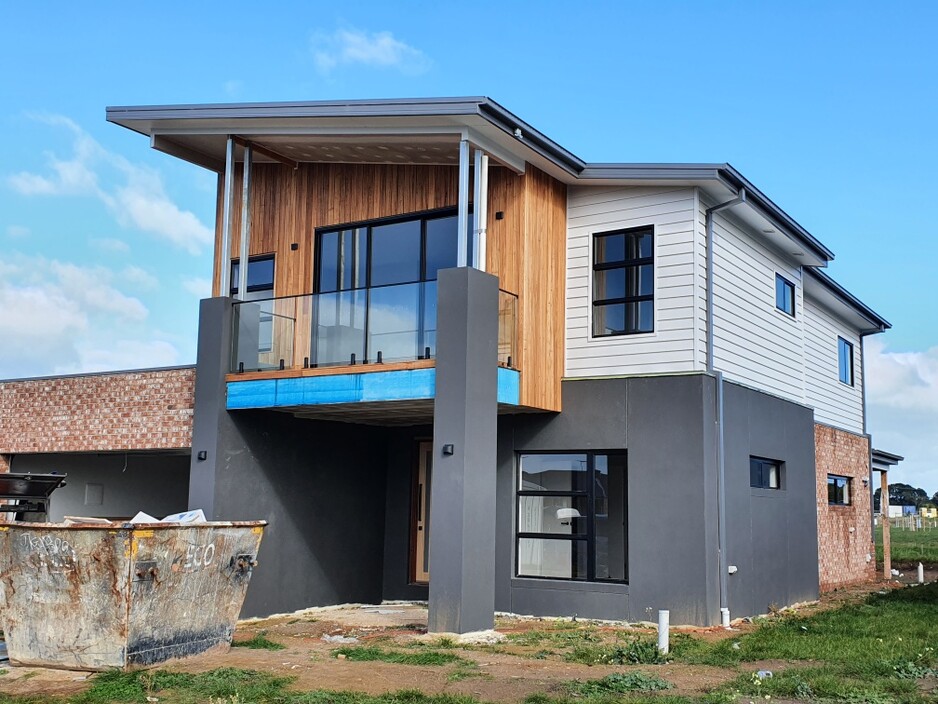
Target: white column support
224,281
245,224
462,221
480,209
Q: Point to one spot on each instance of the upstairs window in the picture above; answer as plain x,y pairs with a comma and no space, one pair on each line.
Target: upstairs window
623,282
784,295
845,361
838,490
260,278
765,474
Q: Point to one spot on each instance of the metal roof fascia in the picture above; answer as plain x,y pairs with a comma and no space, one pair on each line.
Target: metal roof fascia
849,299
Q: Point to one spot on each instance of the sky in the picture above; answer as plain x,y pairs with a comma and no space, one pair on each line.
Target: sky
829,108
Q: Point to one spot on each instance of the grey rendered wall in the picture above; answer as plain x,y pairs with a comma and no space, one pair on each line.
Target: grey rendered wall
321,487
155,483
771,534
666,424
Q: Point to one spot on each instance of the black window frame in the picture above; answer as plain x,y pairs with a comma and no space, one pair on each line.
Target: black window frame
624,264
842,345
589,537
422,216
788,286
764,474
233,280
846,490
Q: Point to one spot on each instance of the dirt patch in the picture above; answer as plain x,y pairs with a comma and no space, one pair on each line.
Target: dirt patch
504,672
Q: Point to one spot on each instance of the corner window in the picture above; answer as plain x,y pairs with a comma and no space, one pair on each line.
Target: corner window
260,277
784,295
260,288
765,474
623,282
838,490
572,517
845,361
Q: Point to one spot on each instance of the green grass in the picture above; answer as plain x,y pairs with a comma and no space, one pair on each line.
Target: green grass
259,641
421,657
866,653
617,683
909,546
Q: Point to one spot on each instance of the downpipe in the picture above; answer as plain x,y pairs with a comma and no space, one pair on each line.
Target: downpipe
721,457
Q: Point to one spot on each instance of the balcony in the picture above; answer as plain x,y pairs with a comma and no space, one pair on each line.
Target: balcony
352,346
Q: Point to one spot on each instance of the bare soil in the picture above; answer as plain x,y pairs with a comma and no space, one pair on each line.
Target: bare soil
505,672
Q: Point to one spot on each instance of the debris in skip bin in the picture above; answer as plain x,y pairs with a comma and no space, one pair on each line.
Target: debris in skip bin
86,520
196,516
142,517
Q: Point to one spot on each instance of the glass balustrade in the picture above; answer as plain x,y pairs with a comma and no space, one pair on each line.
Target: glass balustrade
381,324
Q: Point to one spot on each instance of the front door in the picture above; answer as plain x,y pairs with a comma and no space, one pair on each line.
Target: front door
421,523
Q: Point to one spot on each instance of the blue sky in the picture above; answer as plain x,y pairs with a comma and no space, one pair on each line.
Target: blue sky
829,108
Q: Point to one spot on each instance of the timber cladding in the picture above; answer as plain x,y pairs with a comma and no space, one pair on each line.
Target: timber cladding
845,546
119,411
526,247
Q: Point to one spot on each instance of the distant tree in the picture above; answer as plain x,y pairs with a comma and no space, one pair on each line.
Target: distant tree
904,495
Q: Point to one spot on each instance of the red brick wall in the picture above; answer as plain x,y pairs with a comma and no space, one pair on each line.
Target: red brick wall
146,410
845,547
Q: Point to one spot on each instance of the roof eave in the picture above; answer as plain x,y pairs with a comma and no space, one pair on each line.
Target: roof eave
880,323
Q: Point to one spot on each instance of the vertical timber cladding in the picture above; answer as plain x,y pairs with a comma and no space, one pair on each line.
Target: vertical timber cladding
526,248
527,251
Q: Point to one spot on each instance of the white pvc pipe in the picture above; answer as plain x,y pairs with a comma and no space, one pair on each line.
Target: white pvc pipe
921,574
664,619
725,617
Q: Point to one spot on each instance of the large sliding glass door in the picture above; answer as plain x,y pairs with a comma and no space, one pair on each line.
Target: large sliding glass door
377,288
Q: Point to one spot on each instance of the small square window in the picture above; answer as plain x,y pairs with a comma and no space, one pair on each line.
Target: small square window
784,295
838,490
765,474
845,361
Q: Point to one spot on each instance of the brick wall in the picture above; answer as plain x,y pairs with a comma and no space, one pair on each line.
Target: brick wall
845,548
143,410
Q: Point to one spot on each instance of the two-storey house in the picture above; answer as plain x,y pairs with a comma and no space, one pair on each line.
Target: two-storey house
449,360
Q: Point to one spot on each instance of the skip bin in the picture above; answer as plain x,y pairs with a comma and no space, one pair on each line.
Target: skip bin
103,596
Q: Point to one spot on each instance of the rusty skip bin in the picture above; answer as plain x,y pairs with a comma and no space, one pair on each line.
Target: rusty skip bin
104,596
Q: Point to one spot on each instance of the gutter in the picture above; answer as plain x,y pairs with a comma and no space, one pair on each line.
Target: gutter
723,562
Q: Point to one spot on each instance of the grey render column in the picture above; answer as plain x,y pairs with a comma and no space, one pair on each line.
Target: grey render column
462,500
212,361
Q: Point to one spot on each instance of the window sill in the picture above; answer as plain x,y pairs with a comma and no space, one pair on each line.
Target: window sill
569,585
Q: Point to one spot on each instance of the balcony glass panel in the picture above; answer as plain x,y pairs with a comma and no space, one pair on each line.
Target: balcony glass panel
339,327
396,322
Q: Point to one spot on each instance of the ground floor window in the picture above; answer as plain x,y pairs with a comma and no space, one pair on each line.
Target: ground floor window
572,516
764,474
838,490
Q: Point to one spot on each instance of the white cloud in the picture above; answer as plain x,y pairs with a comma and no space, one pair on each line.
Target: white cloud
18,231
123,354
902,396
139,278
374,49
110,244
138,200
200,288
52,313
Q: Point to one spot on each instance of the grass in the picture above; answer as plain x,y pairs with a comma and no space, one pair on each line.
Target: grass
909,546
617,683
397,657
866,653
259,641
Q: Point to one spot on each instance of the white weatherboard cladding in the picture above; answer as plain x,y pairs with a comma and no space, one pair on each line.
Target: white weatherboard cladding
670,348
835,403
753,342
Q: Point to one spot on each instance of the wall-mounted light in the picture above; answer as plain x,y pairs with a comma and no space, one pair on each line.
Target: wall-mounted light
202,455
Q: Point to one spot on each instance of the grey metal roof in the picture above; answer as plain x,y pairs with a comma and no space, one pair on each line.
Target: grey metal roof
883,457
849,299
140,118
